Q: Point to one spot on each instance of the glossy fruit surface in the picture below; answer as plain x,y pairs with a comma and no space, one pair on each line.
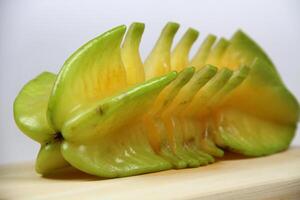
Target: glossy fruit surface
31,105
93,72
110,114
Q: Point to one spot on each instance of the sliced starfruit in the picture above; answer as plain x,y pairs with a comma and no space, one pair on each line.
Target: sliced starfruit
110,114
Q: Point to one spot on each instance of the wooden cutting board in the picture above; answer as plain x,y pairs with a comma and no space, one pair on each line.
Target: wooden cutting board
271,177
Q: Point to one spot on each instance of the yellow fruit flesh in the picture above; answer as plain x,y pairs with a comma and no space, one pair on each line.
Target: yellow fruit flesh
205,94
180,54
217,99
131,56
158,61
200,58
217,52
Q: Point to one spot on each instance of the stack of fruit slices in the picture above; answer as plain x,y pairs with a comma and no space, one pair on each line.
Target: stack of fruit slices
110,114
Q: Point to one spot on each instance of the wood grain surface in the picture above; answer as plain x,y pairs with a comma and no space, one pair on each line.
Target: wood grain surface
272,177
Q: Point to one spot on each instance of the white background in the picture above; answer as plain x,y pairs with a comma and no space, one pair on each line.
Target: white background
39,35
